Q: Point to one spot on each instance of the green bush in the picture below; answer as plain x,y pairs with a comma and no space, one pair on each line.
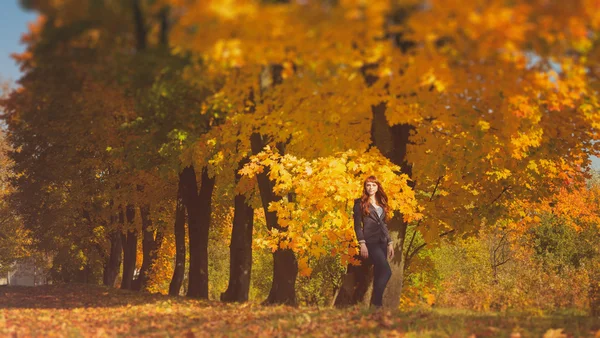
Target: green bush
549,269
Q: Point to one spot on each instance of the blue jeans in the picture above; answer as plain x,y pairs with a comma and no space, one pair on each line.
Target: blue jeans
382,271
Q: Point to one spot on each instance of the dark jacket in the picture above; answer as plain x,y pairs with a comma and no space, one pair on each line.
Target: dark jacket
370,227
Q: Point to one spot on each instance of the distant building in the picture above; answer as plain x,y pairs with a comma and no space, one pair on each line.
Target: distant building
25,273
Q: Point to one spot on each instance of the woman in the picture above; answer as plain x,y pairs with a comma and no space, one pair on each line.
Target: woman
373,236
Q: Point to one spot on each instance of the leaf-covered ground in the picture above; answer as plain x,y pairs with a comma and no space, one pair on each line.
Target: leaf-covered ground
94,311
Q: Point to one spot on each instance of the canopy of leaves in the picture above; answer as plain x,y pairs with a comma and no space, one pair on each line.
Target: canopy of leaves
500,98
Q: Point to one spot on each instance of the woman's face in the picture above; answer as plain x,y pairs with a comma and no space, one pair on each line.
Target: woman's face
371,188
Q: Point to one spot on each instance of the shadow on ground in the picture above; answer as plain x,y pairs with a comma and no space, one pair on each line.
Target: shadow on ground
71,296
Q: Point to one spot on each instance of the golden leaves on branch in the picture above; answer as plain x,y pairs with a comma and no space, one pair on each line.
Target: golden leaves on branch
319,194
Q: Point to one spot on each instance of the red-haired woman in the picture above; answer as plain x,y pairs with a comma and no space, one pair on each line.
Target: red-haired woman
371,231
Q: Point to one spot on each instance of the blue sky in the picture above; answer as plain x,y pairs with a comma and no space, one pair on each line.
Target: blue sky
13,23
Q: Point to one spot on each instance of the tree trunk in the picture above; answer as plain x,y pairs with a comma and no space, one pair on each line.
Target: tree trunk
594,291
151,243
355,284
285,271
240,249
400,139
113,265
205,211
392,142
129,241
178,274
285,265
140,27
199,207
190,197
395,285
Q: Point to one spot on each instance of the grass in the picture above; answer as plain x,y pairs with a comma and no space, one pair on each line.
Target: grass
96,311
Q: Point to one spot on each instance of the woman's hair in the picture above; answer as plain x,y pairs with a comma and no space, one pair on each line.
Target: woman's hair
380,196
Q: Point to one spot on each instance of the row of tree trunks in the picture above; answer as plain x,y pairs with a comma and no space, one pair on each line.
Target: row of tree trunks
240,249
123,247
199,206
197,203
392,141
151,239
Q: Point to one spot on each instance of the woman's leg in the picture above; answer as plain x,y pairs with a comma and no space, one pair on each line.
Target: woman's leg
382,271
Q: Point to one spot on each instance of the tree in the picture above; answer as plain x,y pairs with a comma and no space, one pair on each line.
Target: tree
470,113
470,120
15,240
59,149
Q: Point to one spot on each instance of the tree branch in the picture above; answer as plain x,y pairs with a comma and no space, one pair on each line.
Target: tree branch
406,257
501,263
499,195
419,248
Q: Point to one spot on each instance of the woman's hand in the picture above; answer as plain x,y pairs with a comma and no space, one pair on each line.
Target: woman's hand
390,250
364,253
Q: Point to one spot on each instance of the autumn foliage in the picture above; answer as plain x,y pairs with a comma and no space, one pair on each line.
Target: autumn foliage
214,148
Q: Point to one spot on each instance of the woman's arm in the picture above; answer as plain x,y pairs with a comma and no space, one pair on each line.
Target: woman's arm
357,214
364,252
389,239
385,229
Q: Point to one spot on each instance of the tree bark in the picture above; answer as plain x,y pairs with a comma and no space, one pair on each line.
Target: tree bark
240,249
205,211
400,139
129,241
151,243
178,274
285,271
113,265
396,283
594,291
392,142
190,199
140,26
355,284
285,265
198,205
